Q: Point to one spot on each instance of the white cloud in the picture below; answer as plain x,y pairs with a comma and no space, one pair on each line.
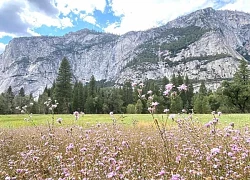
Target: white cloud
37,19
76,6
2,34
145,14
240,5
33,33
87,18
2,47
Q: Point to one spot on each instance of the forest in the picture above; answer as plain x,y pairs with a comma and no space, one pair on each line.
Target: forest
95,98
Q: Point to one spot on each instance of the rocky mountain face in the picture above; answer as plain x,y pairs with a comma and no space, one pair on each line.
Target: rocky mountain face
205,45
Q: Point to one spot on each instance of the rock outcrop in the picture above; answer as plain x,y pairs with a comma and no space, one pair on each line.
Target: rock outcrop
205,45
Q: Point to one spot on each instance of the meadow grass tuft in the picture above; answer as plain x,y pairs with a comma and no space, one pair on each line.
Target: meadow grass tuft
94,147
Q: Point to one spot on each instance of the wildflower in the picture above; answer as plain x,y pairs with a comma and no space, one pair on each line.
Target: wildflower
166,110
139,92
155,103
111,174
151,110
183,110
182,87
134,84
83,149
59,120
215,150
150,97
178,159
54,106
169,87
165,93
76,114
207,125
231,124
111,113
219,113
215,120
31,104
70,147
161,173
150,92
176,177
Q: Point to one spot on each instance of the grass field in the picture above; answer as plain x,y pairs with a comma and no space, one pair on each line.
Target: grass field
134,148
18,120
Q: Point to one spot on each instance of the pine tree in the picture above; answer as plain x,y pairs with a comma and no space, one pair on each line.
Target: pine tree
10,96
22,92
176,105
238,91
92,87
139,106
75,102
63,89
203,89
189,94
127,92
81,94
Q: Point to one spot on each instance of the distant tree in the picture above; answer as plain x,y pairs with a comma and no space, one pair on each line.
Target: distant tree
10,97
203,89
3,107
92,86
176,105
131,109
127,93
75,102
63,87
214,102
22,92
139,106
189,94
81,94
238,91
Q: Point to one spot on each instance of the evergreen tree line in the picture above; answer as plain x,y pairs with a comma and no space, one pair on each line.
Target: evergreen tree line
231,97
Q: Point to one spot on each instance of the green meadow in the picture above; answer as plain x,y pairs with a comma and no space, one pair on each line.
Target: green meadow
20,120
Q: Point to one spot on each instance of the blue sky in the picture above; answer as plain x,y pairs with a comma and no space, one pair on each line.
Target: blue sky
57,17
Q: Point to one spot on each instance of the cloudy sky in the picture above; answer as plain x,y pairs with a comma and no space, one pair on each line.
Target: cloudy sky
57,17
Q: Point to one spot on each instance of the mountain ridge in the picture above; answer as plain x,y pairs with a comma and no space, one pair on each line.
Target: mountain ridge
205,45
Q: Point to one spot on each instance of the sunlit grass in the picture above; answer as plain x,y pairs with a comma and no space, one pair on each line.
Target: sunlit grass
18,120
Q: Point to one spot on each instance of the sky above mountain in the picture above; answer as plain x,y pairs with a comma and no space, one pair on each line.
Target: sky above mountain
57,17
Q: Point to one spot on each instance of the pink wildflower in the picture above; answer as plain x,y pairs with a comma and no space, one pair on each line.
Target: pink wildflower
169,87
182,87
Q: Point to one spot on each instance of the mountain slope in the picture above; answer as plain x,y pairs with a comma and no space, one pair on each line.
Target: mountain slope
205,45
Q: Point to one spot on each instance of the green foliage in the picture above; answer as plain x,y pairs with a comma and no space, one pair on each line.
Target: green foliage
203,89
148,52
131,109
214,102
127,93
238,91
201,105
138,107
176,105
63,87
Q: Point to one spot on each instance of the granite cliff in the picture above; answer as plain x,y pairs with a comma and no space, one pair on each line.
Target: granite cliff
205,45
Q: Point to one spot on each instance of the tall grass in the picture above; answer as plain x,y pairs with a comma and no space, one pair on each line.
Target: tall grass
100,150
